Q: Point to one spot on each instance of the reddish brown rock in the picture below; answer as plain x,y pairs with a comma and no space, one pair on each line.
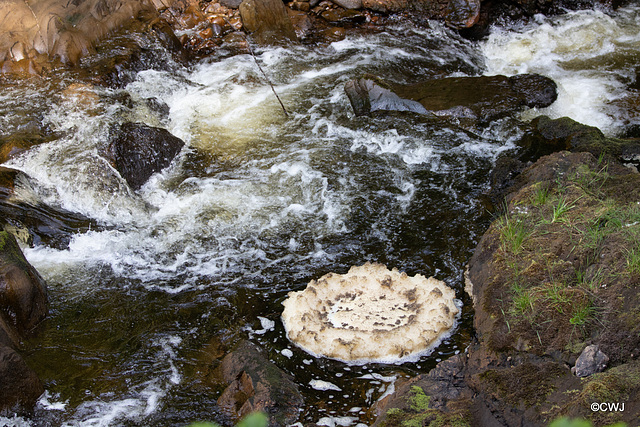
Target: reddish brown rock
23,305
257,384
20,386
267,21
23,292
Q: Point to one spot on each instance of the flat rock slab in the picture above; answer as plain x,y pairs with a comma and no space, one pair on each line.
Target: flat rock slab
482,99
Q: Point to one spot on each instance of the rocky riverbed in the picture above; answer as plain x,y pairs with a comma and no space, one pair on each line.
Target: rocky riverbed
549,323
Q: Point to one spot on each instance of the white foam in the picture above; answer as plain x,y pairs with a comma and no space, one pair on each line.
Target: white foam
323,385
267,325
575,50
48,402
15,421
336,421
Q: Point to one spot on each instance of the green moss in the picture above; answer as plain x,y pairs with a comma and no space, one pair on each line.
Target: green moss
526,384
418,413
415,421
419,400
613,385
11,251
450,421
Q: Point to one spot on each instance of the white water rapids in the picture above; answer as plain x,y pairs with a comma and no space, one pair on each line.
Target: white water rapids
257,204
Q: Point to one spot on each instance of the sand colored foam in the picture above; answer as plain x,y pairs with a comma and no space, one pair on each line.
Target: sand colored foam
370,314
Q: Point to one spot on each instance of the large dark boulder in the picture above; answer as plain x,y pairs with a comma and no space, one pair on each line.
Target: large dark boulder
23,306
23,292
369,94
547,136
35,223
138,151
482,99
257,384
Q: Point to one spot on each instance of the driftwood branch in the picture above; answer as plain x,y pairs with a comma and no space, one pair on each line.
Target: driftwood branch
273,89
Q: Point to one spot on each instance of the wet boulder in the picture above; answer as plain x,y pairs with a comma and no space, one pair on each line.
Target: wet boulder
348,4
267,21
386,6
369,94
488,97
32,222
58,28
138,151
482,99
20,386
547,136
463,13
23,306
23,292
257,384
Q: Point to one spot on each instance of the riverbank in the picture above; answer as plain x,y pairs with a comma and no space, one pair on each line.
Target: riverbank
554,282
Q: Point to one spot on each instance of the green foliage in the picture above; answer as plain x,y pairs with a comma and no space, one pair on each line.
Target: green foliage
582,314
578,422
523,300
512,234
256,419
560,210
633,260
541,195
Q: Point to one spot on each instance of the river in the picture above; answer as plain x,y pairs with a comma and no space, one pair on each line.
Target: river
258,204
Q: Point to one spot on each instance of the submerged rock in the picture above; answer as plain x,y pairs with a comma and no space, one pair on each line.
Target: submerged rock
370,314
138,151
20,386
483,98
257,384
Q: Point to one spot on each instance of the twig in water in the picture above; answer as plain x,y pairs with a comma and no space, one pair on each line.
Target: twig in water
286,113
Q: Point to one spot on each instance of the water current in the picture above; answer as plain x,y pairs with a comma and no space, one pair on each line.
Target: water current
258,204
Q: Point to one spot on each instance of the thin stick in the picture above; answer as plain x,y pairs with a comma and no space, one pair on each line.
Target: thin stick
267,78
37,24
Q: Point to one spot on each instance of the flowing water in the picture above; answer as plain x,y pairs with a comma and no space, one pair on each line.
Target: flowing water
161,281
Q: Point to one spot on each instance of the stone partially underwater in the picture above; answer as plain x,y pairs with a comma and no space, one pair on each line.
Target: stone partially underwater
23,306
370,314
481,99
